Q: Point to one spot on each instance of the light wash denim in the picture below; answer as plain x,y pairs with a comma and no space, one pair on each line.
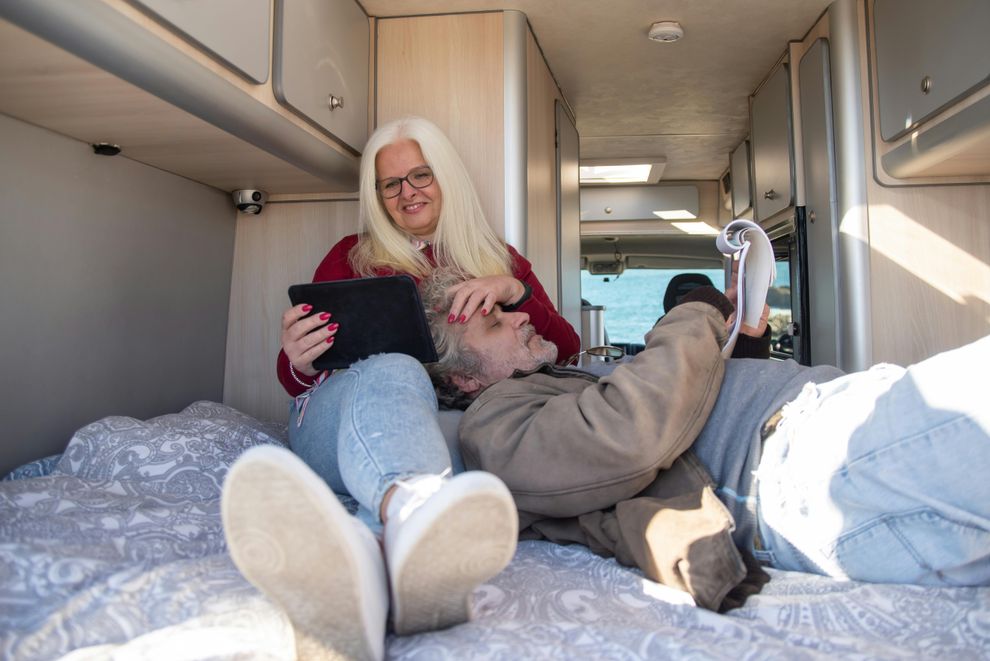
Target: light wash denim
884,475
367,426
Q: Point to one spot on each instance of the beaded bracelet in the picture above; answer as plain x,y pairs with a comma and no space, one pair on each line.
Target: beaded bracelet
292,371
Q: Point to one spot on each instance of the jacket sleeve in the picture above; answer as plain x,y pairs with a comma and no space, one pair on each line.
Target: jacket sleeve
567,446
542,313
748,346
334,266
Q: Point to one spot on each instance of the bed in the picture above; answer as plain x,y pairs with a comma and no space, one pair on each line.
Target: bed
114,549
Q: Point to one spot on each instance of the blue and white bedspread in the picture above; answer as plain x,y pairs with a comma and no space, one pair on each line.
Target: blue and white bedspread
115,550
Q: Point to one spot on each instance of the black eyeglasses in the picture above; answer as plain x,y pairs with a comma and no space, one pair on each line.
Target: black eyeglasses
420,177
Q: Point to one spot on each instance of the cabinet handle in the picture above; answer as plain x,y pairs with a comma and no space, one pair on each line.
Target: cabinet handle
770,195
335,102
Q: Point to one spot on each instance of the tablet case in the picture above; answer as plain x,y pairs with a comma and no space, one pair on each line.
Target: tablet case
376,315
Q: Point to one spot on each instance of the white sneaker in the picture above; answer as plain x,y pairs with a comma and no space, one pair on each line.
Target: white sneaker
443,538
290,536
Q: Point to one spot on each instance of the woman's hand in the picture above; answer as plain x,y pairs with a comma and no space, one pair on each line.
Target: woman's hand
482,293
306,339
732,293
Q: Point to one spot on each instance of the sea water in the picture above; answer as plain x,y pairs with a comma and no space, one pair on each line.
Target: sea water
634,300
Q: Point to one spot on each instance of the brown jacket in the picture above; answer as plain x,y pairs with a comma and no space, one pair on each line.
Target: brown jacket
605,462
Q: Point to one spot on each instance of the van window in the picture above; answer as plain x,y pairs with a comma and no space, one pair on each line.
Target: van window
633,301
781,310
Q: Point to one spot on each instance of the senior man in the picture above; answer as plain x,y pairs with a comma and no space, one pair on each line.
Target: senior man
687,465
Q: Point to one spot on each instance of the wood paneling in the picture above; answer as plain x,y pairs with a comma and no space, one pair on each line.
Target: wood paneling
449,70
930,269
280,247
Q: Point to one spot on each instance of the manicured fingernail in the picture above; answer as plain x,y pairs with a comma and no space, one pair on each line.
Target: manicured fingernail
307,307
330,340
324,316
450,319
484,312
463,319
333,327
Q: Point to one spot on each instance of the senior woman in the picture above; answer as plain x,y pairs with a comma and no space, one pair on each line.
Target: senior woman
371,431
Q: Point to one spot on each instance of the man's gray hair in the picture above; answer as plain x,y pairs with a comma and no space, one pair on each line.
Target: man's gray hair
454,358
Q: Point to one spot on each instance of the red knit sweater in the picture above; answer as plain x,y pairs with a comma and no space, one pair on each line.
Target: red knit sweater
541,311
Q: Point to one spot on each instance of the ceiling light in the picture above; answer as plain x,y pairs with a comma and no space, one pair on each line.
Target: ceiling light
621,170
700,227
675,214
666,31
615,174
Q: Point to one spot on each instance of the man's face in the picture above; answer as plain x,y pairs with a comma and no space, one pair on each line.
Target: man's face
505,342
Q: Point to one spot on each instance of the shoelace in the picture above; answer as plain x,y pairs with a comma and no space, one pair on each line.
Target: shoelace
414,492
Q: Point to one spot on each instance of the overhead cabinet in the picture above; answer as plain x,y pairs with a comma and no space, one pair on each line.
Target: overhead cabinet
234,31
207,93
771,144
653,203
320,65
932,74
928,55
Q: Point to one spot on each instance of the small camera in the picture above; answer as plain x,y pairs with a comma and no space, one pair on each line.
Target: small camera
250,201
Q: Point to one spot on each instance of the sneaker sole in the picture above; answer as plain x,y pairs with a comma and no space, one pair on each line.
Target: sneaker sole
284,529
469,539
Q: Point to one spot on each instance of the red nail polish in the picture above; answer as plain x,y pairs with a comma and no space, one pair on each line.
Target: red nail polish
307,307
484,313
330,340
450,319
324,316
463,319
332,327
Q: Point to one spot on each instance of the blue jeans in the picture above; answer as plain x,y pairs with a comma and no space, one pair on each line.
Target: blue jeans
884,475
368,426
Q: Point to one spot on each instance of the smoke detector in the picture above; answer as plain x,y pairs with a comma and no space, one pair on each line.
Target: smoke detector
666,31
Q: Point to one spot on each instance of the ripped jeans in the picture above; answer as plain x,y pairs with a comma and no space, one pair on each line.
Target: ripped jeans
369,425
884,475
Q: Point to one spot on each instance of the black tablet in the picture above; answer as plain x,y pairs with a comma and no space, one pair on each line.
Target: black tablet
376,315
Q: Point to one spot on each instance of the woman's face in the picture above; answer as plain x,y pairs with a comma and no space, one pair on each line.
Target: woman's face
414,210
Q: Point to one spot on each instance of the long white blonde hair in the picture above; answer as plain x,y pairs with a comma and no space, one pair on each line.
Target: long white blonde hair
463,238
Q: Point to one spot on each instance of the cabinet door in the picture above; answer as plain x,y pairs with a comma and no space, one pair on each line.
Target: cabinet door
234,31
819,188
742,194
771,145
928,55
320,65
